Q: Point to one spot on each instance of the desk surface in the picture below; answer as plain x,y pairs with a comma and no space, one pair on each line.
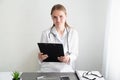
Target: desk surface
48,76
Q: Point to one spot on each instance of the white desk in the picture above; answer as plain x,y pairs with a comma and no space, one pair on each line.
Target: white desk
5,75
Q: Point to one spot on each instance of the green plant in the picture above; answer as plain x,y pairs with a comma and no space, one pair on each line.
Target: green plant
16,75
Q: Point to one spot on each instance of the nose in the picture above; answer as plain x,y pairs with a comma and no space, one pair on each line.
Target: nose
58,19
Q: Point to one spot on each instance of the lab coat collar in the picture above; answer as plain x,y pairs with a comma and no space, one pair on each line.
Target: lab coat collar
54,31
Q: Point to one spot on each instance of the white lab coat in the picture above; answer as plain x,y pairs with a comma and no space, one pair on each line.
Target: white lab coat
51,36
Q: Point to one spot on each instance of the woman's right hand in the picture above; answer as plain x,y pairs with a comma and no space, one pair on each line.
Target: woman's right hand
42,56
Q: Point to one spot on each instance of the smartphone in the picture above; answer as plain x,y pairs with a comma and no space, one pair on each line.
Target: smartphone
64,78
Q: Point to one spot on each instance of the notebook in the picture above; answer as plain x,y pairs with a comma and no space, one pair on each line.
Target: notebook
53,50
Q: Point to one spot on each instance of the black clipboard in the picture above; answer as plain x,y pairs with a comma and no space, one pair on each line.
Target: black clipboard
53,50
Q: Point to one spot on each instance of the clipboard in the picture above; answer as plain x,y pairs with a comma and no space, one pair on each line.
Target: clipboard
53,50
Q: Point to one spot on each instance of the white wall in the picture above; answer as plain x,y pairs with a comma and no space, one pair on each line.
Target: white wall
22,21
111,68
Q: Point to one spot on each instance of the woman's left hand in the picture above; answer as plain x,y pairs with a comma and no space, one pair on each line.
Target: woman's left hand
64,59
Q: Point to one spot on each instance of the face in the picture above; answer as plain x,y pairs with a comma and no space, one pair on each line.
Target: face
59,18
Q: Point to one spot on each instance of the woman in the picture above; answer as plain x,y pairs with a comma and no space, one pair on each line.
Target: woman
60,32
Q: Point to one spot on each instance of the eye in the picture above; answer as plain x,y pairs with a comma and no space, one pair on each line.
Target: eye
61,16
54,17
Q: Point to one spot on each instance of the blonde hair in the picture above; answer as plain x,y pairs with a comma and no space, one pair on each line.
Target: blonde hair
59,7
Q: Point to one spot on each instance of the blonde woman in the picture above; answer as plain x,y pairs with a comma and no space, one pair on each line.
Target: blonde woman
60,32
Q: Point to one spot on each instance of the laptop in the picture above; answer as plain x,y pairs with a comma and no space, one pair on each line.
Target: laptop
53,50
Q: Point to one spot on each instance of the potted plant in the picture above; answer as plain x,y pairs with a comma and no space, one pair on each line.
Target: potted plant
16,75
